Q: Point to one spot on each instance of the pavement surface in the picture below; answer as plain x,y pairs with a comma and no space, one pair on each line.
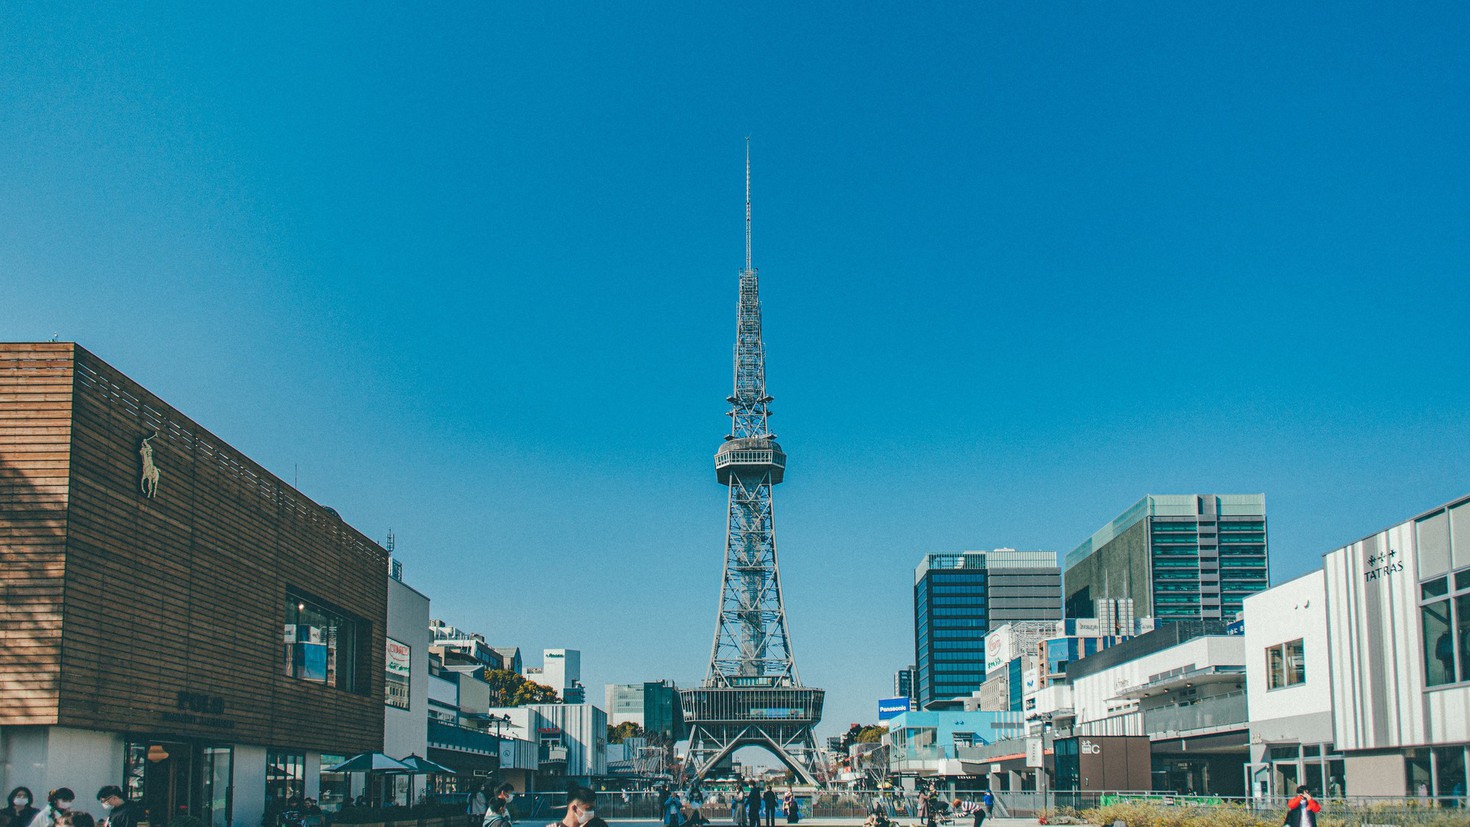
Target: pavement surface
823,822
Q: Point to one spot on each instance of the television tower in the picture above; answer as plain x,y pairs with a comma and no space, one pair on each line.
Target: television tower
752,695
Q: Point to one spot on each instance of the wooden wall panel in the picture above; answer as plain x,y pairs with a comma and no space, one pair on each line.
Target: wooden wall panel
186,591
35,431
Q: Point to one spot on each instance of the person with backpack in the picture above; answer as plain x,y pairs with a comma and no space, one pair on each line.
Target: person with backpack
495,813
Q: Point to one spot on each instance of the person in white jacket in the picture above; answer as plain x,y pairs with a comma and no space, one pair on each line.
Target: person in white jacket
58,803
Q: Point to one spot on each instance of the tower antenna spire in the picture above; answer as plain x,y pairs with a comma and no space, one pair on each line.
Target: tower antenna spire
747,204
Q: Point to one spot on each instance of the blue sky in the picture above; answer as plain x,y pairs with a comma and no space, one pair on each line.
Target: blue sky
469,272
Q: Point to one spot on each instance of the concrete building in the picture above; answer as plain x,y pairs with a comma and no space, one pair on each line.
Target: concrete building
652,705
571,740
561,669
1183,687
1177,557
1398,643
958,598
406,691
456,646
1289,689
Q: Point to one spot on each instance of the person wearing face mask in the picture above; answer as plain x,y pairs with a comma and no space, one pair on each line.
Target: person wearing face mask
120,811
20,813
57,803
581,810
507,793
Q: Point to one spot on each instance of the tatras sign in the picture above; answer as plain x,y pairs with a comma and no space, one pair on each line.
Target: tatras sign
1383,565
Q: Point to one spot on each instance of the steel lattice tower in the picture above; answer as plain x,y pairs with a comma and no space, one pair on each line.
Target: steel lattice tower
752,695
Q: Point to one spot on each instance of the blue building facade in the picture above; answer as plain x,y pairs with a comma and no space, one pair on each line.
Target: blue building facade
957,598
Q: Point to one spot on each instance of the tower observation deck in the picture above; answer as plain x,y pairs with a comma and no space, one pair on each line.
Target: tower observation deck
751,695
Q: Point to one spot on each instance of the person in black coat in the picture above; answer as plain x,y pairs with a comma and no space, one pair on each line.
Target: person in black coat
753,806
19,810
120,811
770,801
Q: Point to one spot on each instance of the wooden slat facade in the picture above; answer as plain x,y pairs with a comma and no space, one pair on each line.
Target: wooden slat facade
115,602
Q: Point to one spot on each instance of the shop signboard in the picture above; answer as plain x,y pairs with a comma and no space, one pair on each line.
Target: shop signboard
399,658
889,708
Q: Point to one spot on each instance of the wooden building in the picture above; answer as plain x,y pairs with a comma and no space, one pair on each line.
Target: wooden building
175,619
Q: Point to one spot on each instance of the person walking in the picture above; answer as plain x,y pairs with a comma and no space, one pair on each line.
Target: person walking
988,802
1302,809
769,802
19,813
120,811
672,810
58,803
737,805
926,808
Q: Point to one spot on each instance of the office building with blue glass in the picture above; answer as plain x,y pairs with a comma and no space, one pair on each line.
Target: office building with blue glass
1177,557
958,598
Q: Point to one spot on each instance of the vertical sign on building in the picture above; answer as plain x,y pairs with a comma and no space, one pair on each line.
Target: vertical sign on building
398,670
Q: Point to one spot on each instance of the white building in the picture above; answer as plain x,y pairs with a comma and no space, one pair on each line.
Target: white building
572,738
1398,615
561,669
406,677
1182,686
1289,691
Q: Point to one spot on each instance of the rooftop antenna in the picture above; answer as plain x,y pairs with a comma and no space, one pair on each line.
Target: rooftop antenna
392,541
747,204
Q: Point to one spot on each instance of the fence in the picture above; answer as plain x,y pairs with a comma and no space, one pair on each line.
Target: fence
1353,811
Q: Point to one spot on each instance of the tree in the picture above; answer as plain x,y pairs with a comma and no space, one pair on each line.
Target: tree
859,734
621,732
509,689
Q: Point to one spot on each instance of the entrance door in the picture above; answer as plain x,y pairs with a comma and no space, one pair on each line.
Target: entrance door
168,781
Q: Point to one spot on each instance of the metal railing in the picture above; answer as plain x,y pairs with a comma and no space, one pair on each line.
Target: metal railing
1350,811
1207,713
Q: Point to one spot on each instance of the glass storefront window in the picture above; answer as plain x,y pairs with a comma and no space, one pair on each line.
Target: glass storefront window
1336,779
135,759
1449,775
1416,771
285,776
217,771
333,784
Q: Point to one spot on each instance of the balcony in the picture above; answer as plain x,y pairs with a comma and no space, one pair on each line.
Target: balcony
1214,713
553,755
460,739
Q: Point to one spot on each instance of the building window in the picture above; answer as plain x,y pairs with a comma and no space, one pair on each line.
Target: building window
1286,665
333,784
320,643
396,674
1444,618
285,776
